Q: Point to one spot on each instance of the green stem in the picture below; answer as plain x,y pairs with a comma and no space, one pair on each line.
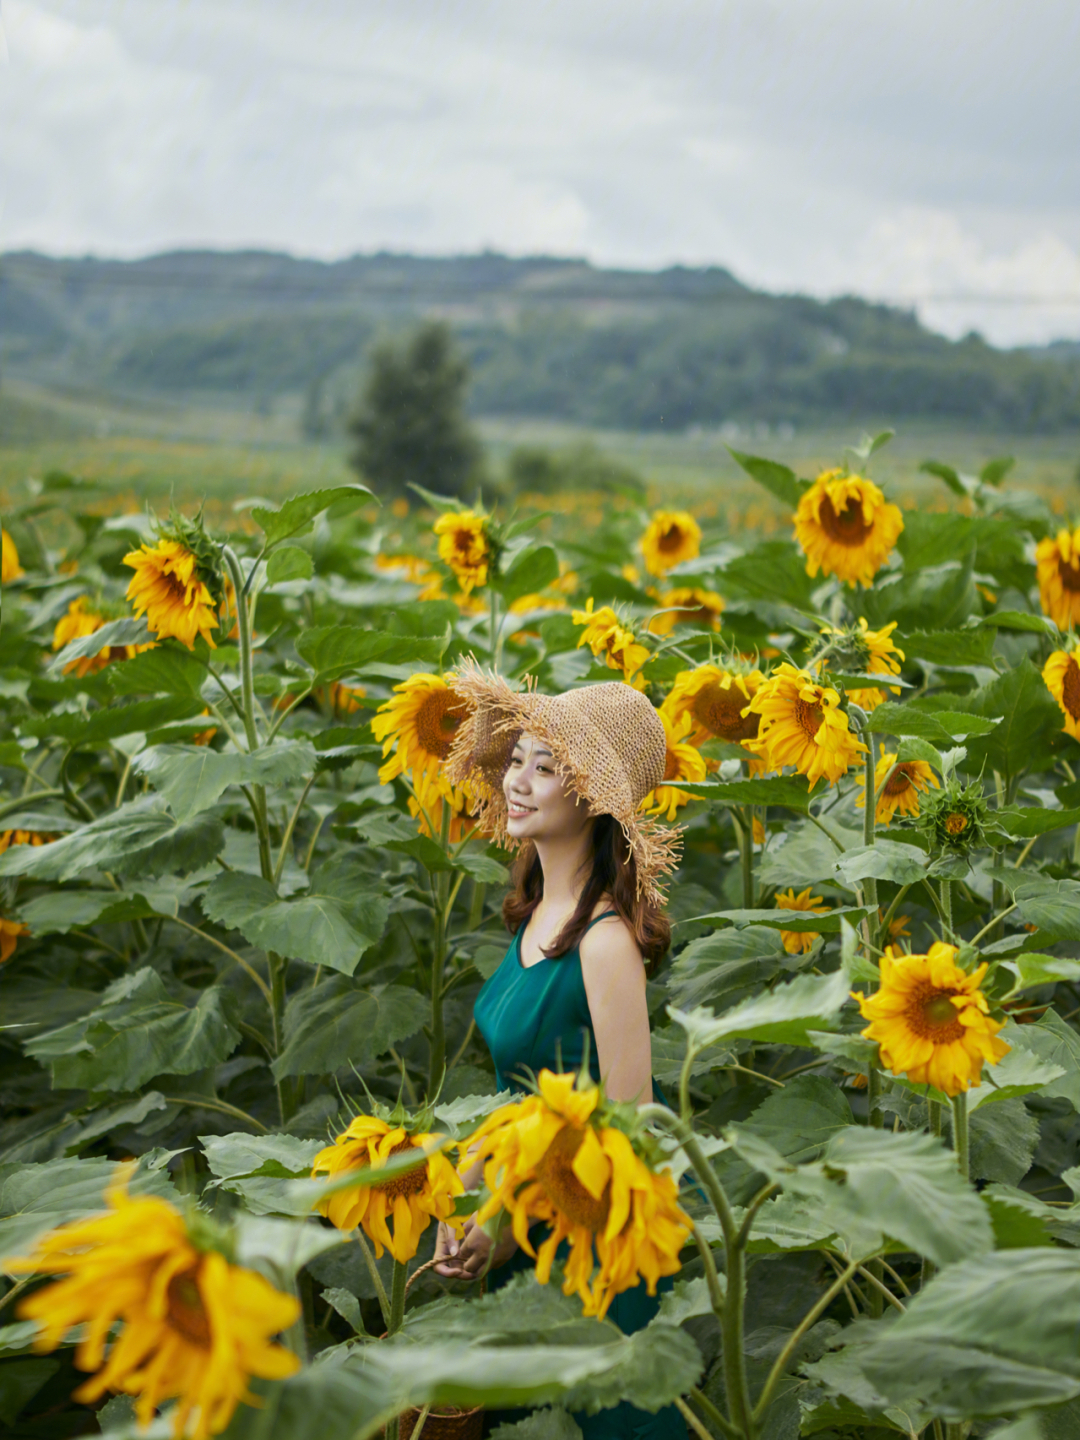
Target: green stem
784,1358
960,1132
744,829
946,909
285,1088
243,625
205,1102
441,883
712,1414
869,823
397,1297
476,906
933,1108
376,1278
289,828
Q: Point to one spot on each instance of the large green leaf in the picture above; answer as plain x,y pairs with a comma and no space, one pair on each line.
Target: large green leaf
36,1198
1054,1042
948,647
871,1183
783,1017
801,921
113,721
1022,822
64,910
1052,905
988,1336
116,632
192,777
334,650
319,926
801,1119
530,571
296,515
940,727
773,571
938,596
166,670
130,833
776,478
341,1021
884,860
790,791
138,1031
1029,719
721,968
291,562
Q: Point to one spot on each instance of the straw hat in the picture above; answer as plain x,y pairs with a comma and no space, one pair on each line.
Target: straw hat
606,739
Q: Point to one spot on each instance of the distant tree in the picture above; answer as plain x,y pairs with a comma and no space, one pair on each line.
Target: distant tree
410,424
313,420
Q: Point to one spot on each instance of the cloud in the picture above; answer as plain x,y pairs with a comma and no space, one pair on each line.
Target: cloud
827,145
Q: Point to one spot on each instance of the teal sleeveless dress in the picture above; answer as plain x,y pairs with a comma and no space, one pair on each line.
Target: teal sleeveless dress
533,1018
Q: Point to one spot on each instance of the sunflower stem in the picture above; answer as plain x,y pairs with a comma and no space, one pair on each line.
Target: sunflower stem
960,1132
397,1297
744,829
243,626
441,884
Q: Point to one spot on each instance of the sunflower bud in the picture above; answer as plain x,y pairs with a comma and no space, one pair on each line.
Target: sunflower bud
958,819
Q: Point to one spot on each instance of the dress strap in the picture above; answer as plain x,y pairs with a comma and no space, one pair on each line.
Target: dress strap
605,916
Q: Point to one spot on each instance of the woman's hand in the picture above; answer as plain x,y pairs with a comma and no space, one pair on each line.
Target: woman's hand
467,1258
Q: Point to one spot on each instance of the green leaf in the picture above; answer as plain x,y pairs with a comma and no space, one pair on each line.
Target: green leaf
532,569
296,515
940,727
20,1381
915,749
1055,1042
135,829
776,478
1020,620
873,1182
1029,719
723,967
792,792
1052,905
994,471
783,1017
342,1021
948,647
335,650
799,921
946,473
168,669
423,848
801,1119
289,563
138,1031
191,778
773,571
1024,822
1033,969
117,632
1002,1139
935,596
884,860
547,1424
36,1198
483,868
1018,1073
113,721
61,911
238,1156
320,927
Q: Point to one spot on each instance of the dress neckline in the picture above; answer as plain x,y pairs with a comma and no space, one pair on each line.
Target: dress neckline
550,959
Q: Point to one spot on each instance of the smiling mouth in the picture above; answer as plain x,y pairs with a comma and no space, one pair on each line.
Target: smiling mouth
515,808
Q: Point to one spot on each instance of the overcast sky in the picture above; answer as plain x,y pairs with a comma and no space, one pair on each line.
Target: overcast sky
914,150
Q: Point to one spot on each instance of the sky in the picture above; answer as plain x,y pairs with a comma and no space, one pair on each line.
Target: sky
924,152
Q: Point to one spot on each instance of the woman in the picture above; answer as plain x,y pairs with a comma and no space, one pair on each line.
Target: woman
561,780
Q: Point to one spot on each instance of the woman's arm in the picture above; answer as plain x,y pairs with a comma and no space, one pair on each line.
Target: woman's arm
614,975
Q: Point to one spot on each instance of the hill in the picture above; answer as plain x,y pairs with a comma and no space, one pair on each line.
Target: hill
548,339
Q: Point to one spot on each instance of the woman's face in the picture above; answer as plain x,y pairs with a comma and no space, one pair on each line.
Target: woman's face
540,804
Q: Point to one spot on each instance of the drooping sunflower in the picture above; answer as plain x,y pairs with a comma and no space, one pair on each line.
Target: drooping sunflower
194,1327
672,536
417,728
169,590
846,527
897,789
1057,568
931,1020
606,635
426,807
10,930
568,1157
799,942
411,1200
1061,674
85,618
684,762
716,699
859,650
802,725
10,569
689,605
465,545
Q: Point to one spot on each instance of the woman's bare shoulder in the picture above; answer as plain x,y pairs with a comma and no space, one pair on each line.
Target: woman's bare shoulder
610,942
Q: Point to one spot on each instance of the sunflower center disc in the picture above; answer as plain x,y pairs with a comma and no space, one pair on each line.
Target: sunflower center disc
437,722
671,766
846,526
898,781
939,1020
563,1187
186,1313
720,712
956,824
1070,690
1069,574
809,717
671,539
411,1183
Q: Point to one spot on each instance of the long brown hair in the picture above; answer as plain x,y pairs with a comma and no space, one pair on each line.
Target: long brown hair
614,874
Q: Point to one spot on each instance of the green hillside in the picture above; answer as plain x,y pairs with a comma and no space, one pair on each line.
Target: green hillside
549,339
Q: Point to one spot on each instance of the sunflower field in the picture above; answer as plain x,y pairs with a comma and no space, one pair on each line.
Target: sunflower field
244,916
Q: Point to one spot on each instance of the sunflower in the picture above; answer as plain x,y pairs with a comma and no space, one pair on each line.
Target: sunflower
897,789
798,942
802,725
192,1326
23,837
606,635
1057,568
845,527
426,807
683,762
10,569
10,930
413,568
418,725
83,619
716,699
341,699
556,1157
1062,676
931,1019
465,545
862,651
690,605
168,588
411,1200
672,537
